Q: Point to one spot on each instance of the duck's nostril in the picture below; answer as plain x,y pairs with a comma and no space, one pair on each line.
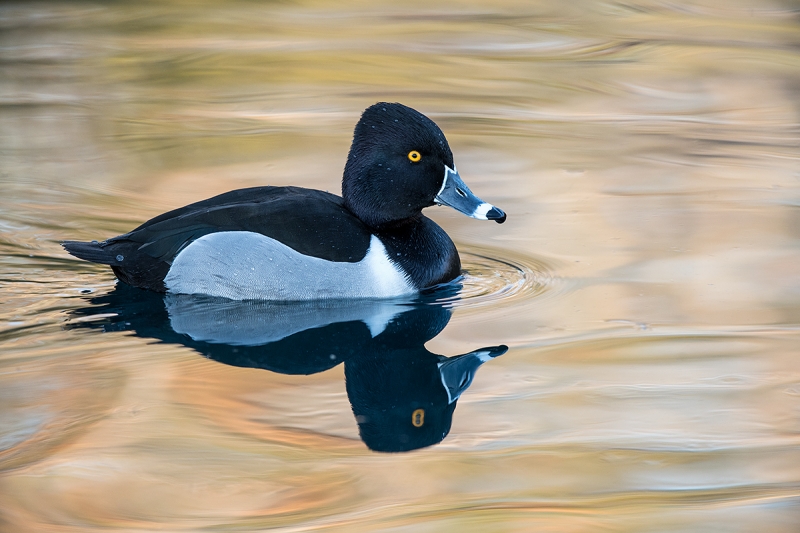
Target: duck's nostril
461,193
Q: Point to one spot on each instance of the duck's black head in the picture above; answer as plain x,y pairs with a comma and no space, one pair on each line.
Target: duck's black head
400,163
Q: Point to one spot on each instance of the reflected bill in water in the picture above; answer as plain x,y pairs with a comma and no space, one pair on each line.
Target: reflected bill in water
402,395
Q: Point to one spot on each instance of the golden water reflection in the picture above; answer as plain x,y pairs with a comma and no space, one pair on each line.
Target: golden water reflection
646,281
402,395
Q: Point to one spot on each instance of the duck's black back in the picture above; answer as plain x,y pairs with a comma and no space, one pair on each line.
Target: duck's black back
311,222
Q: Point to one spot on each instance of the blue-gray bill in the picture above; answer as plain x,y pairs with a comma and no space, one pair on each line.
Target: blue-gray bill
457,372
455,193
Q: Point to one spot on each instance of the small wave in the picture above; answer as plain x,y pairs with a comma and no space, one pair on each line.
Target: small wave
496,277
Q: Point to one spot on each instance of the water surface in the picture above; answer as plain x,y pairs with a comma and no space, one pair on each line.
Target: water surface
646,282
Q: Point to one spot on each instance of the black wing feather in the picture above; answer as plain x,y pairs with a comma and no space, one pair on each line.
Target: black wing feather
311,222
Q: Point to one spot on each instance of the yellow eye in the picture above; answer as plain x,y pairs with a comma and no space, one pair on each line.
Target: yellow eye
414,156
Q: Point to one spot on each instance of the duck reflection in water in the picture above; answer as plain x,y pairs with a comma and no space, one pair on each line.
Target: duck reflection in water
403,396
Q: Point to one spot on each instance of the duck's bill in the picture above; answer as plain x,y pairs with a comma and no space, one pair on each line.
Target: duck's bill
456,194
457,372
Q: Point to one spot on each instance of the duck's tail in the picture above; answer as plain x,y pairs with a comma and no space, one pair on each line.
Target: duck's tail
91,251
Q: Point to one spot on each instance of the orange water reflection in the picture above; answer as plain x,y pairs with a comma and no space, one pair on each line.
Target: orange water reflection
646,280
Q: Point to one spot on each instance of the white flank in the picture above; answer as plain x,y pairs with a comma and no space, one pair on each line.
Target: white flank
243,265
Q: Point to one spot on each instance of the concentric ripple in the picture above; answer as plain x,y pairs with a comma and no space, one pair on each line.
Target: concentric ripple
495,277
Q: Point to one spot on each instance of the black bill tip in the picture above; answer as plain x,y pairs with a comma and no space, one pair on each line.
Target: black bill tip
496,214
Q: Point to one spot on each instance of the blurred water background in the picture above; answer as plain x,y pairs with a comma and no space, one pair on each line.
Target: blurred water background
647,281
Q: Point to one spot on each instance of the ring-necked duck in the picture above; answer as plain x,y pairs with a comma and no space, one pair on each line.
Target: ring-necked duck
290,243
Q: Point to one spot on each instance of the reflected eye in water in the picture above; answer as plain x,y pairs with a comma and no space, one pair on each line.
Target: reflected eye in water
402,396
